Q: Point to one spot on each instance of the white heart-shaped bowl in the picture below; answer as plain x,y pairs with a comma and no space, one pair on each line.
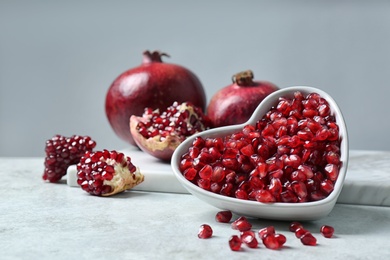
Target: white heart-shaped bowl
280,210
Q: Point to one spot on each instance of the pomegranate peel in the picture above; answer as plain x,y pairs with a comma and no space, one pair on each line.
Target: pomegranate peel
314,204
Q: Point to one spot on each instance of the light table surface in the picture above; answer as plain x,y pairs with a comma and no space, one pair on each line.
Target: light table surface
41,220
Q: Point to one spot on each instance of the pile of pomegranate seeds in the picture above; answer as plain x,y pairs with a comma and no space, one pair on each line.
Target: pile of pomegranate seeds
181,120
291,155
105,173
269,237
61,152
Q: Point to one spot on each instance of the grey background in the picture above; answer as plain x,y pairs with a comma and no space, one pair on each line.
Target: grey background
58,58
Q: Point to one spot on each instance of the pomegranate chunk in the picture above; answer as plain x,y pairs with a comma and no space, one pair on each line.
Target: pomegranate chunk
61,152
105,173
291,155
224,216
327,231
205,231
160,132
235,243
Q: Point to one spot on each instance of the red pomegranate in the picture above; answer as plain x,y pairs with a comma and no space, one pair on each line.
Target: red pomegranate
234,104
153,84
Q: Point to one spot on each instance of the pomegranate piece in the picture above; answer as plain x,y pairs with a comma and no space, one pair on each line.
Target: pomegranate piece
241,224
205,231
291,155
308,239
160,132
61,152
105,173
235,103
235,243
224,216
155,84
327,231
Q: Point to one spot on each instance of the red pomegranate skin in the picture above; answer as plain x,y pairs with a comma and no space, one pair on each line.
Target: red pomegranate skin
235,103
153,84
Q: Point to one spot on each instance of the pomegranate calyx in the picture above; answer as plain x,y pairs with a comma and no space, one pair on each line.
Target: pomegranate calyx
155,56
243,78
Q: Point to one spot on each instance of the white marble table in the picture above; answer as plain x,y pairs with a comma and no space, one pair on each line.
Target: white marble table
54,221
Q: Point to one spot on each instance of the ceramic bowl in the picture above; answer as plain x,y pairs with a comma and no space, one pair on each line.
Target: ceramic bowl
279,210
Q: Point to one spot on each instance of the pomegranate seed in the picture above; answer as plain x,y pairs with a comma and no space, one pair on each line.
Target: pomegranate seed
327,231
273,241
265,196
224,216
190,173
270,230
235,243
281,239
308,239
294,226
205,231
206,172
248,238
300,232
204,184
241,224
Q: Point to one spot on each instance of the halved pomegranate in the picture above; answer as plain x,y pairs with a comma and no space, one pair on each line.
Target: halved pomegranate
159,133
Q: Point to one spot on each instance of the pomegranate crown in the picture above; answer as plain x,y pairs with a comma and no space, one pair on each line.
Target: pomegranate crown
243,78
154,56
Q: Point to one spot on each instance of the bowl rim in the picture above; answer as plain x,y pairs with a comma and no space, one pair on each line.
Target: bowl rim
272,98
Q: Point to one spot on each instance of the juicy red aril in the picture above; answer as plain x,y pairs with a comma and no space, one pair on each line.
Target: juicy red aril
224,216
266,231
291,155
241,224
235,243
308,239
248,237
205,231
327,231
61,152
300,232
294,226
274,241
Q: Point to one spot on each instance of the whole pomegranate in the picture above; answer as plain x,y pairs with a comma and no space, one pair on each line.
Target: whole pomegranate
234,104
153,84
